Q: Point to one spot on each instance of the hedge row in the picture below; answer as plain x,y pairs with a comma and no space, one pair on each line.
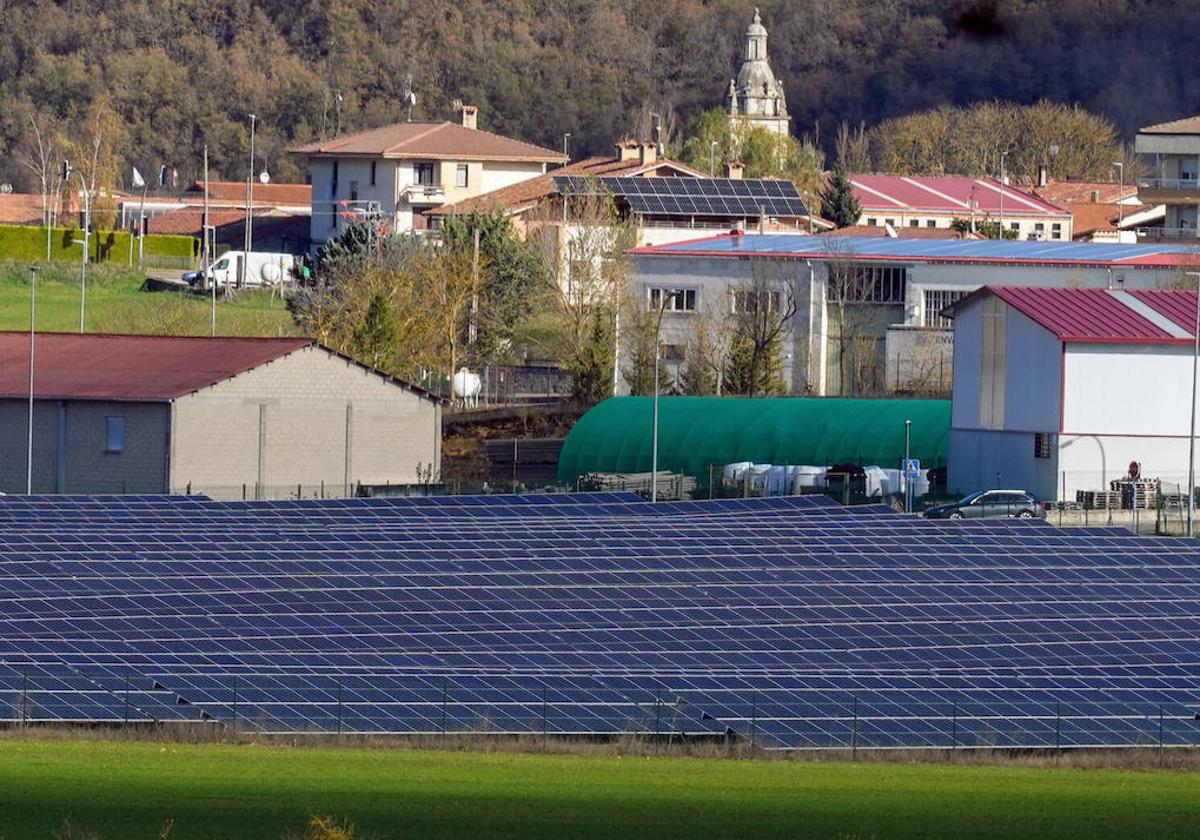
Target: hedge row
29,243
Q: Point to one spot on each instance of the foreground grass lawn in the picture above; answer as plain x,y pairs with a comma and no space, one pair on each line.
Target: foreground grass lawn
132,789
115,303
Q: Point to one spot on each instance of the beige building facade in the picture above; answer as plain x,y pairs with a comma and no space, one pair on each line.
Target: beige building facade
287,418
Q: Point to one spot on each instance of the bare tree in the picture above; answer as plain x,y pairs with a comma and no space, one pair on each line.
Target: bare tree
584,244
762,309
41,157
852,295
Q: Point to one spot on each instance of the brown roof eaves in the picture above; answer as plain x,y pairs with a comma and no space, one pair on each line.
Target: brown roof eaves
437,141
1183,125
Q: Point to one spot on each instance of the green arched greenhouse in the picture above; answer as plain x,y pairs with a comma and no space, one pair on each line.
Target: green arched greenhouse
697,432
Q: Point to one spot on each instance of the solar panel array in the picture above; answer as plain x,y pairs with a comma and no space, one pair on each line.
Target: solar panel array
863,247
724,197
794,622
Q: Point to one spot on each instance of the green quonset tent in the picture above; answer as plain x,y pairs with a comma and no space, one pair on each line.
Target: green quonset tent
696,432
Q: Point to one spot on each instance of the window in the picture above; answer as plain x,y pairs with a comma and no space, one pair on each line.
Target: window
931,223
114,433
935,301
423,174
1056,231
1042,444
221,265
994,341
460,175
679,300
867,284
1015,226
675,353
891,222
914,222
354,190
373,164
746,300
1039,227
871,221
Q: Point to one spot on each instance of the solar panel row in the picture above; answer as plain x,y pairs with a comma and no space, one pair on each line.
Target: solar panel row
792,622
725,197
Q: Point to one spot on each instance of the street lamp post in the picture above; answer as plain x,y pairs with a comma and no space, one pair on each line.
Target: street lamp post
667,297
249,205
1003,155
566,145
1191,488
1120,196
87,222
908,494
32,330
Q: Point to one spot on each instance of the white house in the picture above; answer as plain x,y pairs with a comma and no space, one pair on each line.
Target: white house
888,294
399,172
1060,390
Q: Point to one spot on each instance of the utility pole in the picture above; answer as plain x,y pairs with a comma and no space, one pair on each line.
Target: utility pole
1120,195
205,256
249,207
1191,488
67,171
32,330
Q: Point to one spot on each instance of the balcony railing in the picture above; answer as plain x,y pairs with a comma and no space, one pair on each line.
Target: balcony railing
1168,233
1168,183
424,193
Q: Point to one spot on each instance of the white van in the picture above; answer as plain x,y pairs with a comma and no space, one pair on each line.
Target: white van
261,269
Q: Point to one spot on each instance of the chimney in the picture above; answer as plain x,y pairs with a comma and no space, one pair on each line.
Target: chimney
647,153
628,150
1043,176
733,170
470,116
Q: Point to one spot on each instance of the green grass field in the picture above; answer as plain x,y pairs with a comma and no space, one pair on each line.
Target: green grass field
115,303
127,789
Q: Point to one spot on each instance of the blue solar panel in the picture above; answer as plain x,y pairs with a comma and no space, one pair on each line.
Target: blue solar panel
792,622
849,247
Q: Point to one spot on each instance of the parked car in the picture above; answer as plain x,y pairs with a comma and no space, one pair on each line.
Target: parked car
990,504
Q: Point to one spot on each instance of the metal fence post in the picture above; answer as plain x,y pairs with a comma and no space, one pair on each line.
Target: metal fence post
1057,729
544,717
339,710
954,726
235,705
753,719
126,721
854,732
1161,753
24,699
657,717
445,691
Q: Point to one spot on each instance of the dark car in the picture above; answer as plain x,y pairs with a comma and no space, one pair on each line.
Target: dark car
989,504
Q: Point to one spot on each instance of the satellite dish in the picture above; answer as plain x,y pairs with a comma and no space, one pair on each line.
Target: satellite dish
264,177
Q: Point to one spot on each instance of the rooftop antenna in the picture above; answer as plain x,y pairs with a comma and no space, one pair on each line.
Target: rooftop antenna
410,98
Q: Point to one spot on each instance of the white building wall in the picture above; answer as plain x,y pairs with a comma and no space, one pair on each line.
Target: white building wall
1127,389
500,174
326,198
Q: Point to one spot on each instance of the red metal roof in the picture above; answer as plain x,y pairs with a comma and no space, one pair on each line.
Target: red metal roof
947,194
129,367
1142,316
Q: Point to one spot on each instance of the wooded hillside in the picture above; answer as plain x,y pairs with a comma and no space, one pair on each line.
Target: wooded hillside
166,76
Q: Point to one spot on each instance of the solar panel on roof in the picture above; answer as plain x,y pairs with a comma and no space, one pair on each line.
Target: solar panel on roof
724,197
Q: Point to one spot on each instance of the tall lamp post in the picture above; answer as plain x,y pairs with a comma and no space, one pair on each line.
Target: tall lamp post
1003,155
1120,195
32,330
249,206
67,172
1191,488
908,490
667,297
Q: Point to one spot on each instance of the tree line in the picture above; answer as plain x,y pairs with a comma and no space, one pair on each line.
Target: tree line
176,75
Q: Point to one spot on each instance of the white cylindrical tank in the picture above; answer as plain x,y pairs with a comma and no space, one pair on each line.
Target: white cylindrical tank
467,385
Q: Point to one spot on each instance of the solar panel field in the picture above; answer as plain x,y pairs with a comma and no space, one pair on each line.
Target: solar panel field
781,623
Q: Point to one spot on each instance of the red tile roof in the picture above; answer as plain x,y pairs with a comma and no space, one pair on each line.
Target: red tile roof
431,140
1185,125
1143,316
129,367
947,194
286,194
1066,193
20,209
187,221
527,193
